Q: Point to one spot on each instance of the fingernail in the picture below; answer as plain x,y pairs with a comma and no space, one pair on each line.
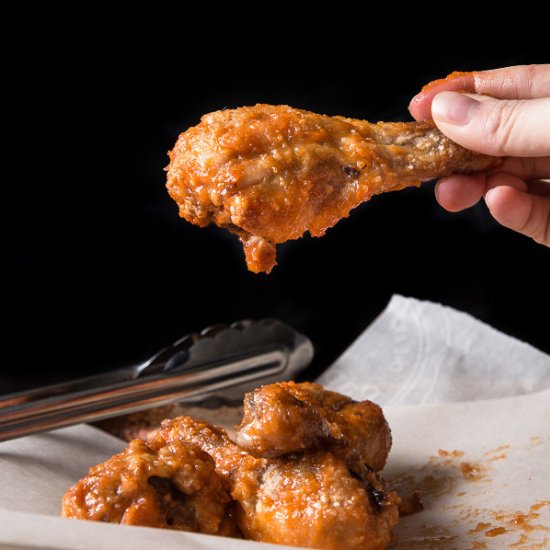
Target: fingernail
454,108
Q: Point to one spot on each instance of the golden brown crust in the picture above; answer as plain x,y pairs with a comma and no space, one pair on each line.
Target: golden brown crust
169,486
286,417
191,476
312,500
271,173
260,254
309,499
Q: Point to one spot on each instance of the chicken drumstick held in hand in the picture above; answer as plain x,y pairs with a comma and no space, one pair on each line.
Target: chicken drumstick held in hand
271,173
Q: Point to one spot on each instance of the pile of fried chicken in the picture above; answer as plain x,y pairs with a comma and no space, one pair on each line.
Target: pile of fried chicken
270,173
303,471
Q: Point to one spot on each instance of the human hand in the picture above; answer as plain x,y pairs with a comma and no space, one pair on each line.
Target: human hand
512,121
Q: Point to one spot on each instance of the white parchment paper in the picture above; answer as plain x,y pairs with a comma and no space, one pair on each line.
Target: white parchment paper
470,424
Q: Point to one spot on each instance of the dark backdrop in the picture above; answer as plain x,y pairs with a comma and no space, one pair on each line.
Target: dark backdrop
98,269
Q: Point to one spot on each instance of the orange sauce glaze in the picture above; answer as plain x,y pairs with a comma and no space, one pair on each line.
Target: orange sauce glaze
453,76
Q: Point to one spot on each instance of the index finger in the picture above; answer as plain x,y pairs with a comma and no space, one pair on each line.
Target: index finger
519,82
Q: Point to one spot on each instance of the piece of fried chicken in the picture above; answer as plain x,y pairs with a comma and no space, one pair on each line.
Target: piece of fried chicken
310,499
315,485
286,417
162,484
271,173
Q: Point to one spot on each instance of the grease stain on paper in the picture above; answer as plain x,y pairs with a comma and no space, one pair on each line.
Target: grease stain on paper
449,470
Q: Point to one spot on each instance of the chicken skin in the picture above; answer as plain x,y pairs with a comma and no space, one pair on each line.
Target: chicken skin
286,417
167,485
271,173
310,499
314,486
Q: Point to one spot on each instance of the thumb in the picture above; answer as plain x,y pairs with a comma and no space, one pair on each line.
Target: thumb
517,128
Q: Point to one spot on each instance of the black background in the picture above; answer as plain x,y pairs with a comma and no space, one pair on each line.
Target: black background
97,268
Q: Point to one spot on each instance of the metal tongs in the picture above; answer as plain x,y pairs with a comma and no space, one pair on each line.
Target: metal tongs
234,358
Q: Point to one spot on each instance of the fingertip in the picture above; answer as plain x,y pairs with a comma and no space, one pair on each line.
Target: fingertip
513,206
455,193
509,206
419,107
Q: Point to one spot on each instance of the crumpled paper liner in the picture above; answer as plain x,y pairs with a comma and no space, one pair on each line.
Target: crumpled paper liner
419,352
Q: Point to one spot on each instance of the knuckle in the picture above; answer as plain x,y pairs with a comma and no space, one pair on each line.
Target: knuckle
500,125
531,75
538,77
537,223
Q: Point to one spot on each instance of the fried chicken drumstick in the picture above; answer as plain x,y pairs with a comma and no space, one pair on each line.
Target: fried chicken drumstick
271,173
319,491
